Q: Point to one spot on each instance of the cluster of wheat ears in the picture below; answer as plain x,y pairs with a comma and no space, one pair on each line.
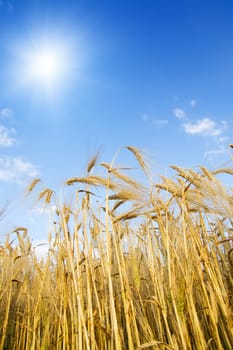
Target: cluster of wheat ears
134,267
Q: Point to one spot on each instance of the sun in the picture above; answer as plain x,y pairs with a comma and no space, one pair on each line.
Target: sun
45,66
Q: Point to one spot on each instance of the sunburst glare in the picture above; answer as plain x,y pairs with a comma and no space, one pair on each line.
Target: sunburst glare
45,65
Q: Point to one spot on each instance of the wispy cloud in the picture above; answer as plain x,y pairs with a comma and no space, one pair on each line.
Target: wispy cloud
6,4
145,117
6,113
6,138
160,122
47,210
223,139
214,132
16,170
216,152
13,169
154,121
205,127
179,113
219,149
193,103
41,248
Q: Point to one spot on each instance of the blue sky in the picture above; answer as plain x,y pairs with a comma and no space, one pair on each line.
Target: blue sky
155,74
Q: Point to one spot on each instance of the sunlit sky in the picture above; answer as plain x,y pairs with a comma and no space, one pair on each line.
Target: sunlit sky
78,76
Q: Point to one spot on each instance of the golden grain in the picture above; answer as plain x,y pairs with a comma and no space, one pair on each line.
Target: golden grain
152,269
33,184
92,162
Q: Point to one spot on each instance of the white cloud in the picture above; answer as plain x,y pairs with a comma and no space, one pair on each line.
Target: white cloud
193,103
6,4
6,139
160,121
6,134
217,151
145,117
16,170
217,154
47,210
154,121
6,113
205,127
223,139
179,113
41,249
10,6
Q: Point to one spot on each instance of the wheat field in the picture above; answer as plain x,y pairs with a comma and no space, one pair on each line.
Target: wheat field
130,265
